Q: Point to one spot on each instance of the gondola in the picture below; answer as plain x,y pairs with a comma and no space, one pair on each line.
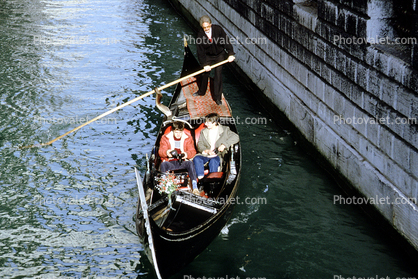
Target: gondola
175,228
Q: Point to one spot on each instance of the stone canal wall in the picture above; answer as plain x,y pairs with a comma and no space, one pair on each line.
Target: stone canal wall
354,100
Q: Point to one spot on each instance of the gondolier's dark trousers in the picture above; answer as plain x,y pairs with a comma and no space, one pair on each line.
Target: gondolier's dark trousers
174,165
216,87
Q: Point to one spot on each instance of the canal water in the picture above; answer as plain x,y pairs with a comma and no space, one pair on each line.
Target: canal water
67,210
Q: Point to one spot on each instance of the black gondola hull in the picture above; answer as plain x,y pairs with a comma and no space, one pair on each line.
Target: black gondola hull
192,225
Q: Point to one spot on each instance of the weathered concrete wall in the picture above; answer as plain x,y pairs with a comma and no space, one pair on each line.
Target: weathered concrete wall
333,90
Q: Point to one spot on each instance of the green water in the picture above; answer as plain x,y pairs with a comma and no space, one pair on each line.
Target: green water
67,210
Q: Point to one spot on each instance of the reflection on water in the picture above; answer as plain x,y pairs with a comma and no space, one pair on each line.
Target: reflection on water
68,209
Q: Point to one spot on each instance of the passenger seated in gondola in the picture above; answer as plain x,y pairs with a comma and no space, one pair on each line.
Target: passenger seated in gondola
213,144
176,150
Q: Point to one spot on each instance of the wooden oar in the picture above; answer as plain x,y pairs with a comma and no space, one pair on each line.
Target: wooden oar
124,105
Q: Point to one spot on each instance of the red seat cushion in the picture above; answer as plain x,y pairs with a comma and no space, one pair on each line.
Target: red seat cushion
215,175
197,132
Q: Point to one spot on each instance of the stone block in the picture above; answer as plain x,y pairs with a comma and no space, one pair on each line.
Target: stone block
294,48
386,141
369,104
291,65
307,58
394,125
381,62
311,80
379,159
306,38
341,19
359,6
357,50
326,141
357,96
382,112
277,18
300,53
339,102
330,54
349,110
397,69
361,27
320,49
406,221
286,43
365,148
287,25
413,160
251,15
329,94
401,153
314,103
316,64
389,92
297,32
302,119
304,95
320,88
410,132
404,101
361,120
372,131
374,84
362,78
351,69
267,12
351,23
281,98
326,73
321,29
380,189
344,155
303,75
256,6
336,80
340,61
322,112
286,7
354,140
369,55
413,79
346,87
327,11
414,108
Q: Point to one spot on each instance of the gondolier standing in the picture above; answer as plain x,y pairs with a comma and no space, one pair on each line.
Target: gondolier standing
212,42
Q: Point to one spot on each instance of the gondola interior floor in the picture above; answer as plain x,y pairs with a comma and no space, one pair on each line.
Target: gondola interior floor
200,106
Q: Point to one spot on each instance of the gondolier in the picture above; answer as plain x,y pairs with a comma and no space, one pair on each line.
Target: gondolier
212,42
